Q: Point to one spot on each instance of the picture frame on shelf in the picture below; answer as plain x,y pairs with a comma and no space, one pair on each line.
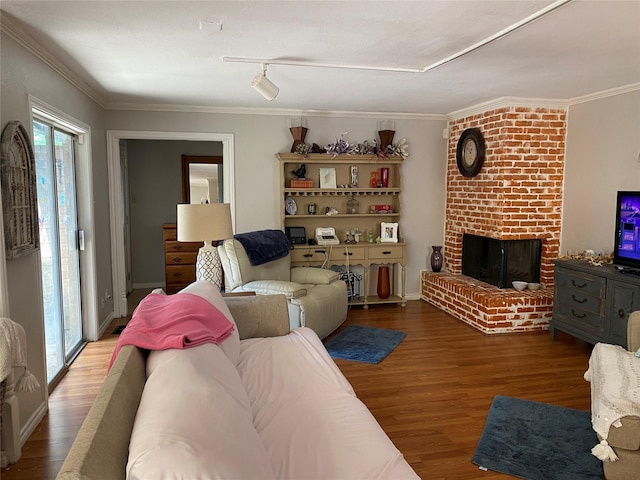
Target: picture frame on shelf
328,177
389,232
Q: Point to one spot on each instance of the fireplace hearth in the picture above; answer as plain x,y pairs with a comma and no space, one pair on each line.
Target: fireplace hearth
500,262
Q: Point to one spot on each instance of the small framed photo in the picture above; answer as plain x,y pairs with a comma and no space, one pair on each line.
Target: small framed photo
389,232
328,178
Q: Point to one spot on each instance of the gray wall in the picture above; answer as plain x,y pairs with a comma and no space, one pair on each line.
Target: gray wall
603,156
155,188
23,75
257,138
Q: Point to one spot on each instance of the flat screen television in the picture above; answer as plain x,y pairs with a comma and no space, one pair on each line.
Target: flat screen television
626,250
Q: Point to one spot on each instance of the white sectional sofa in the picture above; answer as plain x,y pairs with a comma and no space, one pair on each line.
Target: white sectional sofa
266,403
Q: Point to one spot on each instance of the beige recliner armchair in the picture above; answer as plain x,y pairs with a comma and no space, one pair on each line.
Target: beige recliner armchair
317,298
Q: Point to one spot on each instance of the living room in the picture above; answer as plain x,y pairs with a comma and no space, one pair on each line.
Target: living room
601,156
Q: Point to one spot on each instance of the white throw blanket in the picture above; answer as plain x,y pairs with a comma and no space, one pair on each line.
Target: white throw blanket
614,374
13,353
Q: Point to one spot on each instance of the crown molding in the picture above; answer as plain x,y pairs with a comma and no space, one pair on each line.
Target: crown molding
12,28
503,102
632,87
272,111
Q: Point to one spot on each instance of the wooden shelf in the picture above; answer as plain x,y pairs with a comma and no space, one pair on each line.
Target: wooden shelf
363,254
304,192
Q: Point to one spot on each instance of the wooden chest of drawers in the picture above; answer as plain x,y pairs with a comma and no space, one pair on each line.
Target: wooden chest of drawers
593,303
179,259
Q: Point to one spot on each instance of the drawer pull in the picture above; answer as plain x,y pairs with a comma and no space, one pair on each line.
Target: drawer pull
582,285
177,259
348,253
308,255
387,253
578,301
582,315
177,247
177,274
621,313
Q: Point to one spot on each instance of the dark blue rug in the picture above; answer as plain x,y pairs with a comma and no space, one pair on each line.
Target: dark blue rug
538,441
364,344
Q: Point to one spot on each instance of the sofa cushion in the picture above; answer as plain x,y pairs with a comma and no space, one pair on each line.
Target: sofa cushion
275,287
307,415
207,290
195,420
260,315
313,276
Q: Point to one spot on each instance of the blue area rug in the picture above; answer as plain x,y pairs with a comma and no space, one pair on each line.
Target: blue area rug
364,344
538,441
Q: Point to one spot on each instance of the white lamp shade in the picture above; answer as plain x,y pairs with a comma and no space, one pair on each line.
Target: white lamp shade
266,88
200,222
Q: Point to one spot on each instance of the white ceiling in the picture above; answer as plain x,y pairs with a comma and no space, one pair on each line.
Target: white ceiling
132,53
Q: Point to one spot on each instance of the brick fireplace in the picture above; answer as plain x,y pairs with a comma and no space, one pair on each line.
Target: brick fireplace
517,195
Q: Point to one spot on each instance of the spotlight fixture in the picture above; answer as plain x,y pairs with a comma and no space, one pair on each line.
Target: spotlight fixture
263,85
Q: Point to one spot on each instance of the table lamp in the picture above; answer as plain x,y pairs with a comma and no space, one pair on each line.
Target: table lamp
205,222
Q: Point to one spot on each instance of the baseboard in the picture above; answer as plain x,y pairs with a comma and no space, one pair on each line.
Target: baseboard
33,422
137,286
104,325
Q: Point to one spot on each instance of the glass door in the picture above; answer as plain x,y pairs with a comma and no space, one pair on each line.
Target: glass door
59,242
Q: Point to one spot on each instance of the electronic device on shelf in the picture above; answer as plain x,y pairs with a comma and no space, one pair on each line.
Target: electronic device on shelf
626,249
296,235
326,236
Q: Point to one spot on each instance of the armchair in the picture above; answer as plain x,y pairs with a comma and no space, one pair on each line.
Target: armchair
316,298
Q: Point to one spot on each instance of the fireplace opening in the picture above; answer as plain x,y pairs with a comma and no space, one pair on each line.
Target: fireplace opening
500,262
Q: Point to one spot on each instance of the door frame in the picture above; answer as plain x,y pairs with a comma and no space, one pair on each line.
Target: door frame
116,195
85,211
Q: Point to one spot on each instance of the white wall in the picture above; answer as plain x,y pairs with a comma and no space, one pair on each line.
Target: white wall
259,137
602,157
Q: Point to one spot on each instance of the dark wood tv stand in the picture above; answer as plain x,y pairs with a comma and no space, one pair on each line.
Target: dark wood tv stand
594,303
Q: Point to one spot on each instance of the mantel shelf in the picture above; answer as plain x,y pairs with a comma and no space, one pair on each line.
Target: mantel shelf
337,159
328,192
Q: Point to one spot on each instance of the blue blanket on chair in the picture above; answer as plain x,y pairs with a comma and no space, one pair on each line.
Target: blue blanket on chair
264,246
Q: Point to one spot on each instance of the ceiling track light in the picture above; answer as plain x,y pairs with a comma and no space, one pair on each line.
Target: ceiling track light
264,86
557,4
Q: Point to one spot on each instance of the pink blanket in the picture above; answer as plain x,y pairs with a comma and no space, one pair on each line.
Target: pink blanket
173,321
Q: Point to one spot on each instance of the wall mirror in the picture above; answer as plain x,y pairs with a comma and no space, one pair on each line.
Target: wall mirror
202,179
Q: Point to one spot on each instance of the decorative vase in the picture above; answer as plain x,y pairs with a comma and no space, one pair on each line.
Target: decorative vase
353,206
384,177
436,258
384,287
298,134
386,138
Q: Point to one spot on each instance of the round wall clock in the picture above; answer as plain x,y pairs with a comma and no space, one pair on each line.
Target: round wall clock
470,152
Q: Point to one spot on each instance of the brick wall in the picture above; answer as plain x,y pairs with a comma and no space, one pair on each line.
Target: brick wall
517,195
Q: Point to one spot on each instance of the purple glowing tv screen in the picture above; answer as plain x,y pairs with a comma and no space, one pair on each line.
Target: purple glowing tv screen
626,249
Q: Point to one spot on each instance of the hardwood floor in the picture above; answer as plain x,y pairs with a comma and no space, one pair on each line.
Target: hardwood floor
431,395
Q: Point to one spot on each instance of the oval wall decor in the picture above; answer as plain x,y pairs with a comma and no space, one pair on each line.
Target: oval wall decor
19,195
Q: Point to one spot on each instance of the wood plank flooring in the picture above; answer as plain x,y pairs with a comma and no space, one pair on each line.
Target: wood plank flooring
431,395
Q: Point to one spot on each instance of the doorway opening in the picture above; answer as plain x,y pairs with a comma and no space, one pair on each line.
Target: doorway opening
118,221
